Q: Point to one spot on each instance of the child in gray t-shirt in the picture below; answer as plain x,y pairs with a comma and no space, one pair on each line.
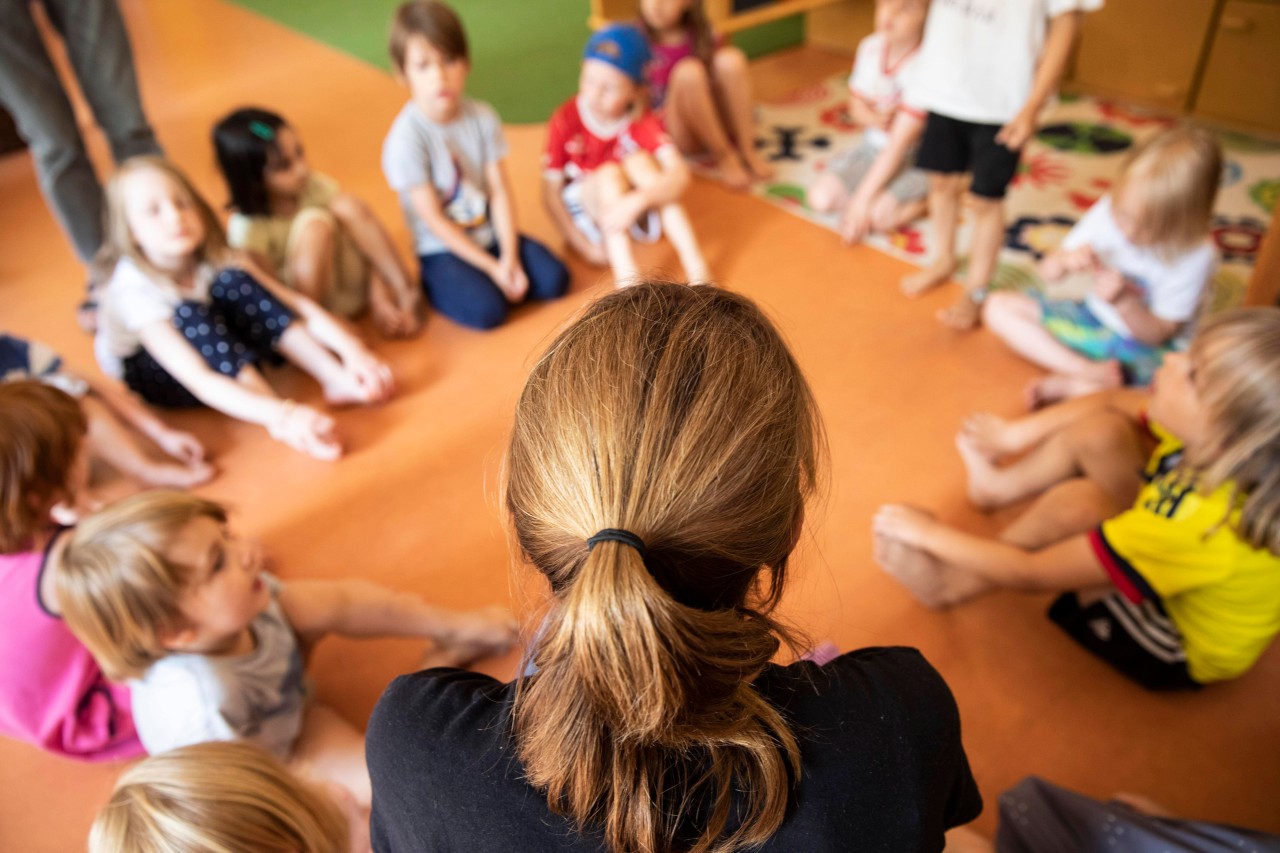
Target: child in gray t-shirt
444,156
214,648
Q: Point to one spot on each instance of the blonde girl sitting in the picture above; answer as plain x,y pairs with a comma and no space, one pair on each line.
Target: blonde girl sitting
185,321
1172,577
1147,249
220,797
215,649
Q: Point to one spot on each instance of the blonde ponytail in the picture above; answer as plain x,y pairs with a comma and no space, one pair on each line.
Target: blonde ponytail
676,414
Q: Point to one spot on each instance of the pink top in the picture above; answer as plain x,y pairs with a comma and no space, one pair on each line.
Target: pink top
52,693
665,57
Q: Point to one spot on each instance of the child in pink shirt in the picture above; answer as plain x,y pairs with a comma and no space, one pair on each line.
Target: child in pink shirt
52,693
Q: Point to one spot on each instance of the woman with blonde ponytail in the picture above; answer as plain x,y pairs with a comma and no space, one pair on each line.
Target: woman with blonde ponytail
662,454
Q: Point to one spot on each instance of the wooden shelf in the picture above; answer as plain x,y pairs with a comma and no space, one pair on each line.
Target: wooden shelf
719,12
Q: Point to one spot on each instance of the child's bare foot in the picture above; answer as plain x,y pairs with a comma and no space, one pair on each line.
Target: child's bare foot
928,278
732,172
930,581
308,431
990,435
759,166
1059,386
984,476
175,475
963,314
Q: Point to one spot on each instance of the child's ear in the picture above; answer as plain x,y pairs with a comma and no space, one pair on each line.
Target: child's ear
398,73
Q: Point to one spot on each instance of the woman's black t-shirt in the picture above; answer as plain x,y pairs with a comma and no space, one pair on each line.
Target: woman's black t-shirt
879,733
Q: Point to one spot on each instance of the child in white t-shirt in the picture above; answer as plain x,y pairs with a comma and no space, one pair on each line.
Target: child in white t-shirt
986,70
876,183
1147,248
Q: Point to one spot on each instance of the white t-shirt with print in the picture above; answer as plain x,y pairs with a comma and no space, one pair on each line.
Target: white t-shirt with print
133,300
979,57
881,85
1171,286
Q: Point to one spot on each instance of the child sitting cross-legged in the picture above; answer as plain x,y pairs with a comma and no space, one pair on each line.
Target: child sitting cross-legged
214,648
611,172
1174,577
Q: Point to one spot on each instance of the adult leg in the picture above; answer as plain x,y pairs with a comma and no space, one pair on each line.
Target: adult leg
98,46
733,94
693,119
33,94
548,276
944,215
462,292
642,171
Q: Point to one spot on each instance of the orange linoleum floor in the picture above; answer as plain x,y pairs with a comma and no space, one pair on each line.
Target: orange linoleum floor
415,502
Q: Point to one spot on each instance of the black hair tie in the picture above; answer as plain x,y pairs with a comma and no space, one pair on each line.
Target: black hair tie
613,534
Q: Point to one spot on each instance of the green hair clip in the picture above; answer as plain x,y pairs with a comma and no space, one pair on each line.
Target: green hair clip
262,130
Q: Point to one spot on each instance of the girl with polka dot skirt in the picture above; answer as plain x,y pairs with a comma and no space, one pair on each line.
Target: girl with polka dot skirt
186,321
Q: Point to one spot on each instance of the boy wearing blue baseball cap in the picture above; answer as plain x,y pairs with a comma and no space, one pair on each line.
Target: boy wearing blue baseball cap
611,174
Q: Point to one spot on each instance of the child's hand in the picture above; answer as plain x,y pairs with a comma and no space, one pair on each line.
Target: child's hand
1015,134
182,446
1111,286
306,430
472,635
903,523
512,280
392,319
618,218
856,221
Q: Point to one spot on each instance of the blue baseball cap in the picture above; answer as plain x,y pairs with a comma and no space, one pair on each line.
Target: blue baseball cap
622,46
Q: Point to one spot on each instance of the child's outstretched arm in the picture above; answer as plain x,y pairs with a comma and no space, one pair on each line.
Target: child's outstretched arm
512,280
361,609
1066,565
903,133
180,445
1059,39
553,203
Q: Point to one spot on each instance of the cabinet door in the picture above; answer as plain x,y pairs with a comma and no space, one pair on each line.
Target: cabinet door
1144,50
1242,79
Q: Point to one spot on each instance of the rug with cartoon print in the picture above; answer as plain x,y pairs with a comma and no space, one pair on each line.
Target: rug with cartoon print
1072,161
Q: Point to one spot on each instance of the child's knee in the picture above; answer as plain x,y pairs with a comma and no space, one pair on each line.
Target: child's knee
1003,304
985,206
884,212
946,183
347,206
826,195
729,61
1101,434
641,169
689,71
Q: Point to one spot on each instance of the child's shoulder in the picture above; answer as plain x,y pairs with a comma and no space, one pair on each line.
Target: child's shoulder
870,46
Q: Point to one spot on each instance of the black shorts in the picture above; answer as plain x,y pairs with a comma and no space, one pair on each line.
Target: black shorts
1138,639
952,146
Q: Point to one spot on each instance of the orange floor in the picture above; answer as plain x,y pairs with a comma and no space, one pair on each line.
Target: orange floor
414,504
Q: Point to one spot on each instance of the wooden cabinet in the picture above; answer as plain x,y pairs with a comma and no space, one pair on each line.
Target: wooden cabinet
720,13
1146,51
1241,83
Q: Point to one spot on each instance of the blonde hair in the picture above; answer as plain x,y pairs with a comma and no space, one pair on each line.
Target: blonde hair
1236,356
41,432
678,414
117,591
118,240
221,797
1178,171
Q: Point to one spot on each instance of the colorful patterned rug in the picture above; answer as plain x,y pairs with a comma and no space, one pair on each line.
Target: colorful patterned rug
1072,162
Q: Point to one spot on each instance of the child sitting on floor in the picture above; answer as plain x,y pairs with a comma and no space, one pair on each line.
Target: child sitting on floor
300,227
111,414
52,693
609,165
985,71
215,648
185,321
701,88
219,797
1147,248
876,185
1181,589
445,156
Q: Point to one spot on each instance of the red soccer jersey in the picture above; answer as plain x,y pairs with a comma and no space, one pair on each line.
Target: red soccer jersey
578,144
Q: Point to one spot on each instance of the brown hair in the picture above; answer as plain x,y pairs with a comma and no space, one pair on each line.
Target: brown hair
676,413
1179,171
696,23
221,797
41,431
1236,355
117,590
435,22
118,240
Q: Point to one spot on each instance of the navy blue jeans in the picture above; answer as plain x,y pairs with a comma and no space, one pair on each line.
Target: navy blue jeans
466,295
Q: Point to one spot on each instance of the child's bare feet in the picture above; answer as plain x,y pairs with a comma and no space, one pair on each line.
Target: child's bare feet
307,430
176,475
984,476
363,380
963,314
732,172
990,435
1060,386
930,277
930,581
